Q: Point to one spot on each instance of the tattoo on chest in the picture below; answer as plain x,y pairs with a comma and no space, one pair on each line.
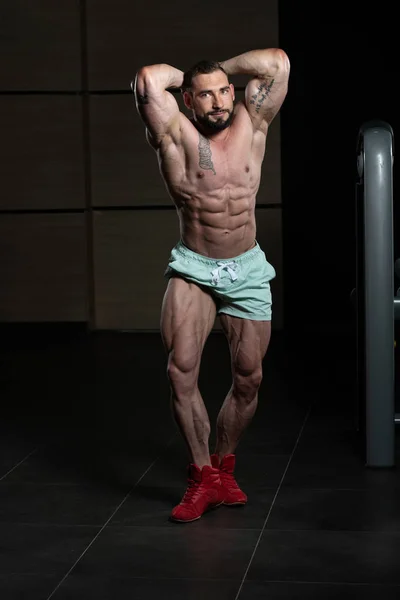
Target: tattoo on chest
205,156
263,91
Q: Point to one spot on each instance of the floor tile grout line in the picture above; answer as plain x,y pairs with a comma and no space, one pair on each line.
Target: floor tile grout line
304,582
364,532
273,502
109,519
20,463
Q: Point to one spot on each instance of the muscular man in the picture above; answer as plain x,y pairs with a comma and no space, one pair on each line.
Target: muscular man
211,166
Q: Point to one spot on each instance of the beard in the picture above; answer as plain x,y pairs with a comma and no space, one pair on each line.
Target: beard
213,126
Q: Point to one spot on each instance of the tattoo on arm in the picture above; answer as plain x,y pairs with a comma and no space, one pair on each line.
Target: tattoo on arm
263,91
142,99
205,156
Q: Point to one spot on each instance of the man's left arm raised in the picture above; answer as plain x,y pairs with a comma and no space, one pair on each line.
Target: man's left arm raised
265,92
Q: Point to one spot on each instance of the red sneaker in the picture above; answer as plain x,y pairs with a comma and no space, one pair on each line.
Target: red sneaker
204,492
233,494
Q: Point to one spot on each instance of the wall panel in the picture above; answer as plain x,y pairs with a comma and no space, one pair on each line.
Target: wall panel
124,167
43,268
41,152
40,45
125,35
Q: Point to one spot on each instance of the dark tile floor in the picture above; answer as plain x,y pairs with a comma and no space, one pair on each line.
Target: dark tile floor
91,464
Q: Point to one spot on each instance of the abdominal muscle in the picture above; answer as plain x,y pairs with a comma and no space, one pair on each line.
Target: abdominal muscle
218,229
215,199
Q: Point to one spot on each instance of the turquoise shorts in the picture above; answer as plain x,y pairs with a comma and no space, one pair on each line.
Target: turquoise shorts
239,285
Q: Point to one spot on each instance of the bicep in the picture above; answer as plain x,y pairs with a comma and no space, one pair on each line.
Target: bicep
157,107
264,97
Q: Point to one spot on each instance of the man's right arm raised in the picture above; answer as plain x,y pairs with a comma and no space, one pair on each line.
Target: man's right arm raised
158,107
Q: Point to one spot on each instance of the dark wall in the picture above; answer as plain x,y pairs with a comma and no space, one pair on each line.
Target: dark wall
343,73
86,224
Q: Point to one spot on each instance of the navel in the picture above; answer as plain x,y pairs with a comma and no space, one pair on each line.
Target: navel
247,168
200,174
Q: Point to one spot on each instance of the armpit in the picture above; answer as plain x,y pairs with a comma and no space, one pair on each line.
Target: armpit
142,99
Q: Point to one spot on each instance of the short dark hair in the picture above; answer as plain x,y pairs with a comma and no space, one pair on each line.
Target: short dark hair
203,67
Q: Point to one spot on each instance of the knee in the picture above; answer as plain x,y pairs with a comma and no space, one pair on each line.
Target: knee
182,373
246,383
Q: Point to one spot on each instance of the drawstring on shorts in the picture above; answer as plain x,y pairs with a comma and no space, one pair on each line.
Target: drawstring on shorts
230,267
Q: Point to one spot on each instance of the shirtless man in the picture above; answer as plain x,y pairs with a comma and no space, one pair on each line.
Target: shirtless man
211,166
